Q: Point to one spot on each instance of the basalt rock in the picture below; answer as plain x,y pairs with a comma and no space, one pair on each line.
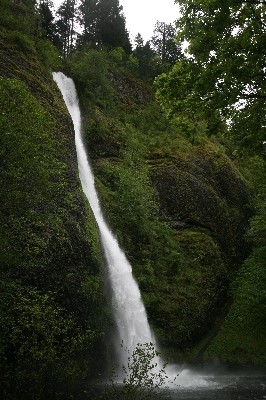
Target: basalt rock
204,191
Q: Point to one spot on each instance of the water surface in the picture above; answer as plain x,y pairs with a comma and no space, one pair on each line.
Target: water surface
225,387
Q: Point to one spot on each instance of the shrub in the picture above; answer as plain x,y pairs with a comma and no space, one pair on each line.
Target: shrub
38,340
49,55
143,375
23,42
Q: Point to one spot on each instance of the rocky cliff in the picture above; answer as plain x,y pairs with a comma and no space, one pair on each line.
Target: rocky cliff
179,209
52,297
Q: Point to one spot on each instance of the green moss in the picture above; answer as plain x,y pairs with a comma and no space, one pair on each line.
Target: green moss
29,173
48,236
171,269
105,135
18,17
203,189
241,338
174,205
182,306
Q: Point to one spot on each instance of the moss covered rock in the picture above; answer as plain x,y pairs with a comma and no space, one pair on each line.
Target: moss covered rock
203,190
50,248
179,210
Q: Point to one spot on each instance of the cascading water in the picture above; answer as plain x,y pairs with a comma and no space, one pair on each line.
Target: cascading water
130,313
129,310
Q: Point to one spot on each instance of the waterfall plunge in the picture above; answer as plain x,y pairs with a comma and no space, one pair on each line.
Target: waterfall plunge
130,313
129,310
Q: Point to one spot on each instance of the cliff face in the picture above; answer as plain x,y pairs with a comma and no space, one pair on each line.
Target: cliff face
50,262
202,190
185,250
207,204
180,210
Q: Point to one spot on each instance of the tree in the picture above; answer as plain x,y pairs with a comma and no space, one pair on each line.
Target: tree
103,24
111,25
38,341
164,43
87,18
139,41
146,56
48,25
223,78
65,25
47,18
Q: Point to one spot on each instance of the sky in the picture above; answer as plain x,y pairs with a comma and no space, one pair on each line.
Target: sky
141,15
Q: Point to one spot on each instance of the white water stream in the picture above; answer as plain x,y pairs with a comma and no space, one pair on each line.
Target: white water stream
128,307
129,310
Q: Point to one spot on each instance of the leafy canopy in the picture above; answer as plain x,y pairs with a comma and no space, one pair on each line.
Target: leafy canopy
223,77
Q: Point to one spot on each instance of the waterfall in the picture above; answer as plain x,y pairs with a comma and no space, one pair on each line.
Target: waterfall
129,310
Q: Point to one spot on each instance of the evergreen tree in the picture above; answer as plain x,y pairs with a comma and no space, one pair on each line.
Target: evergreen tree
65,25
139,41
164,43
111,25
146,57
87,17
48,25
103,24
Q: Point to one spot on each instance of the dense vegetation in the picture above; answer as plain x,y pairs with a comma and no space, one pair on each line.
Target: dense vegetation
181,181
53,309
224,80
183,202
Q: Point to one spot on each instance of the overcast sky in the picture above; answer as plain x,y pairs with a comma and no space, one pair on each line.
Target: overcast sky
141,15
